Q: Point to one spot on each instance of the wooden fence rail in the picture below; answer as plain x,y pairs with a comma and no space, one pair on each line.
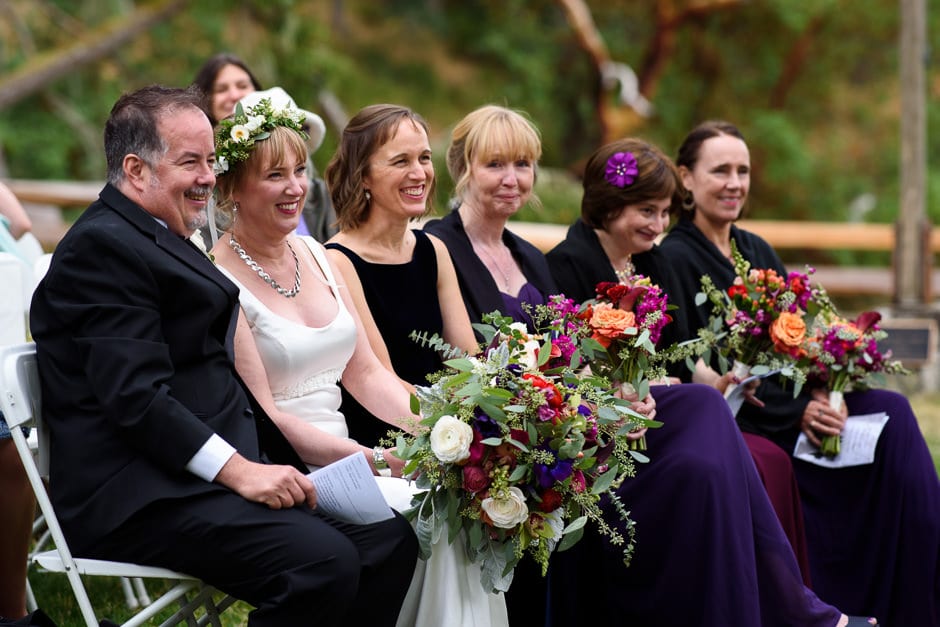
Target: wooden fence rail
781,234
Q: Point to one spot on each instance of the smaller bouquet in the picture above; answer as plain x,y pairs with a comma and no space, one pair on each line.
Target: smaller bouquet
759,323
620,329
517,447
843,355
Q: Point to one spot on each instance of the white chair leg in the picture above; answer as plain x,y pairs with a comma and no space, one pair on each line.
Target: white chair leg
31,605
129,598
141,591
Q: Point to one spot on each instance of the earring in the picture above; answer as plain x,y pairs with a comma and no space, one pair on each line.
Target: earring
235,207
688,202
368,196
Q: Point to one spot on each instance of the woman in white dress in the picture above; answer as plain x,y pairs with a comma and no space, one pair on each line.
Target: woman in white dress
299,336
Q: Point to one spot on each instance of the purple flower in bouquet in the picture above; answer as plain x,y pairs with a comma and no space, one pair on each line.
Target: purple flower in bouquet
548,474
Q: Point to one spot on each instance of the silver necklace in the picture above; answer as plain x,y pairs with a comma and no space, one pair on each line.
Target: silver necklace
254,265
627,271
498,267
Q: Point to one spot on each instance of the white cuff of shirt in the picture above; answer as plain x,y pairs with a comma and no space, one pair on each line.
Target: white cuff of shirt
209,459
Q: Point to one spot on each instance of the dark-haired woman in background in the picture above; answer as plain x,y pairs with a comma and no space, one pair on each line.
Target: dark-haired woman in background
873,531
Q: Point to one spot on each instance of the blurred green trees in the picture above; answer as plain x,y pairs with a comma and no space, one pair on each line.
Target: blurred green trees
813,84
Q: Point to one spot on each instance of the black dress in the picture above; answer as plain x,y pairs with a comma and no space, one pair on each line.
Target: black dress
402,298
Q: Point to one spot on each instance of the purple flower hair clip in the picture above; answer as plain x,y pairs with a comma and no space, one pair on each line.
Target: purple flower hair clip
621,169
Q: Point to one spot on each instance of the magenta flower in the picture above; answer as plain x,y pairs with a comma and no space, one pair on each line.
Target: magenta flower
621,169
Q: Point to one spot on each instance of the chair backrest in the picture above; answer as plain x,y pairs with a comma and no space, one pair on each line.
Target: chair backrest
21,401
13,305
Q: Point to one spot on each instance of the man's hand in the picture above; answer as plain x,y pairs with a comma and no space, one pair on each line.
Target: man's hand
276,486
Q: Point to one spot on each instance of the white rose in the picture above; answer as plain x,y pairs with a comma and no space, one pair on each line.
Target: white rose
254,122
530,358
451,439
508,512
521,328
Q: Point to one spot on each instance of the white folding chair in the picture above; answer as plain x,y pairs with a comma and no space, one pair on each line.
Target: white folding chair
20,403
13,300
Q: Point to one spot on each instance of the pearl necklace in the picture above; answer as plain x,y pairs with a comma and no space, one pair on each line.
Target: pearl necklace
254,265
627,271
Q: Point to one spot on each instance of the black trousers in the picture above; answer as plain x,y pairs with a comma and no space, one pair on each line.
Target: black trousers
295,566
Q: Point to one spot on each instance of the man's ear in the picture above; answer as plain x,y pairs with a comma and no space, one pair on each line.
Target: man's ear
136,171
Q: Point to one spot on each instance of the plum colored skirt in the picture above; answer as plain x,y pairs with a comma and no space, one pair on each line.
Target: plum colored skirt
874,530
775,469
710,550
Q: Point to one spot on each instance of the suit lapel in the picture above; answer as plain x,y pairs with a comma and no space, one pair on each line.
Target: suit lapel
172,244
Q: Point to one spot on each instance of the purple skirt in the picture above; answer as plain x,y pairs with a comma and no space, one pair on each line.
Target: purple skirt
710,550
874,530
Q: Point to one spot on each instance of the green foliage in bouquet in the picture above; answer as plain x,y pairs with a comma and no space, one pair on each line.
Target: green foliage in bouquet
518,447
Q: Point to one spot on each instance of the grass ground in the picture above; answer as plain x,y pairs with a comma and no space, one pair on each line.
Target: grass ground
53,594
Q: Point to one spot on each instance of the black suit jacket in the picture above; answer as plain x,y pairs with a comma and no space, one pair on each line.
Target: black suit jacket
133,329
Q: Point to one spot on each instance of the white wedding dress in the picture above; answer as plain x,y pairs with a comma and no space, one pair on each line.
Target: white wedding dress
304,365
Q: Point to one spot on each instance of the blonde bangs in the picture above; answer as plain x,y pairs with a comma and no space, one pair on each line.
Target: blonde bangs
283,147
508,137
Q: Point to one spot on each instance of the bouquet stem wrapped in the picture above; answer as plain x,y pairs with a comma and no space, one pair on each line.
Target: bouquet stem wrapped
741,370
831,445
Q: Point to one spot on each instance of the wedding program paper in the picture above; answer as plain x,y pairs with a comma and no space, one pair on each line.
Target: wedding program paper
347,491
736,397
859,439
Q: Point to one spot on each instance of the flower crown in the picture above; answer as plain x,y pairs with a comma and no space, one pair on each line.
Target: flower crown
237,134
621,169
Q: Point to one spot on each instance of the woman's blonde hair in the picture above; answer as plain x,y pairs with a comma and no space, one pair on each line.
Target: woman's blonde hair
488,132
281,147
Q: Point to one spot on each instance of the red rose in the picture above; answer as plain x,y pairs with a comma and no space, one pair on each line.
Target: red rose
477,448
475,479
552,394
551,500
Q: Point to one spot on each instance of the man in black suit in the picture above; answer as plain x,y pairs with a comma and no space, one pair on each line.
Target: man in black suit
159,454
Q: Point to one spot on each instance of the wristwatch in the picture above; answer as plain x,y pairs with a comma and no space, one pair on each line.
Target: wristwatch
378,460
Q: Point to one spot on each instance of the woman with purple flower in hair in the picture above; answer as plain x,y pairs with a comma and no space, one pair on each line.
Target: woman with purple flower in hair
873,530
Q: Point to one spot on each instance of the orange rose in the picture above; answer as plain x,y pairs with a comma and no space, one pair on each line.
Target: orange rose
788,332
609,323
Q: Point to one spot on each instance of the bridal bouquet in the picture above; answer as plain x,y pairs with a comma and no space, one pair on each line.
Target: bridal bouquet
517,449
759,323
621,327
844,354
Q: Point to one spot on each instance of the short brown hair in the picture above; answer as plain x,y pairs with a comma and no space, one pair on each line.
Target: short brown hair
657,178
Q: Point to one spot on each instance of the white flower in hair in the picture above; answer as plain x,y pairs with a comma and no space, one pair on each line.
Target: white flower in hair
240,132
237,135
